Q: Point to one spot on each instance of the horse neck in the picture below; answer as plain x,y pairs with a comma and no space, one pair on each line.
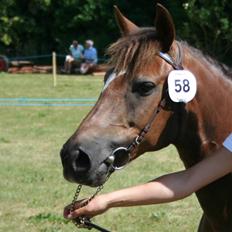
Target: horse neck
206,120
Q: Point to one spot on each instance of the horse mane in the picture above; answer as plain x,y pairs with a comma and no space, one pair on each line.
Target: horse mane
134,50
218,66
137,49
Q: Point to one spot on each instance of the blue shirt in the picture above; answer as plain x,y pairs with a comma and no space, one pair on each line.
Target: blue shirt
90,55
76,52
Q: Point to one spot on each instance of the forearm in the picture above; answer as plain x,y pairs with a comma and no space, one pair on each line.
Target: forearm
167,188
174,186
164,189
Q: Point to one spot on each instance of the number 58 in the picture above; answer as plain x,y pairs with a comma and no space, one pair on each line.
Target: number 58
182,85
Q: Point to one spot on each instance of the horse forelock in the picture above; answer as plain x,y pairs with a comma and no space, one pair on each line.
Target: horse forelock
134,51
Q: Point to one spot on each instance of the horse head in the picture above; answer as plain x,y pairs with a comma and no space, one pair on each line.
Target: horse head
133,89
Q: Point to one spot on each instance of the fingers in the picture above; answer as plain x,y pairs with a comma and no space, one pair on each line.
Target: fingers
79,208
76,213
96,206
67,211
79,212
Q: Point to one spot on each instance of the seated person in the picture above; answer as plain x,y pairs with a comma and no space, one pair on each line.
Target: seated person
75,56
90,57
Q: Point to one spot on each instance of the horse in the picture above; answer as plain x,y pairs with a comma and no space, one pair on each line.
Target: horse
133,89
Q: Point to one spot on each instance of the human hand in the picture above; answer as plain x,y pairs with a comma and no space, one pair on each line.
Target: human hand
96,206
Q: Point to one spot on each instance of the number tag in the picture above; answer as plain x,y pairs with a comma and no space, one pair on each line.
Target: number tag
182,86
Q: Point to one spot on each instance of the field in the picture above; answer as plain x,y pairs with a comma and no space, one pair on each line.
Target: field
32,189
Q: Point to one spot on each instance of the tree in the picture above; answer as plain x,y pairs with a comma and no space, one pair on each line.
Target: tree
209,27
41,26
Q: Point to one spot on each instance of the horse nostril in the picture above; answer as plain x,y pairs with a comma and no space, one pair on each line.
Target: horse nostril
81,162
131,124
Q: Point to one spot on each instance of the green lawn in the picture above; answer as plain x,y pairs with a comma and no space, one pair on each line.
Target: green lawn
32,189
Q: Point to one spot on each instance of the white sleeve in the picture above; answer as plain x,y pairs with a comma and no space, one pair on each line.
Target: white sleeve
228,143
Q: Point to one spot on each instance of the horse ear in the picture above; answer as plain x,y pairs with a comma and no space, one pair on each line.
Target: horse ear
165,27
125,25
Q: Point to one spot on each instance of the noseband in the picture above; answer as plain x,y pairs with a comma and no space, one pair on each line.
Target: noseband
122,155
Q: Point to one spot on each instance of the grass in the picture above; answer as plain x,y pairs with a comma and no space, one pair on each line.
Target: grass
32,189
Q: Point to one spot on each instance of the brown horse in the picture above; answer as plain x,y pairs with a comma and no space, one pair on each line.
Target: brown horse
132,91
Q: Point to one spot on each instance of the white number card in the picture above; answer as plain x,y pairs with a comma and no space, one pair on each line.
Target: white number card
182,86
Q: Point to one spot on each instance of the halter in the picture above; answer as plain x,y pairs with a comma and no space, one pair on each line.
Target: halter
122,155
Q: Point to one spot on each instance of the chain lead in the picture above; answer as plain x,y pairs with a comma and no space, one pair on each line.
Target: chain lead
84,222
76,195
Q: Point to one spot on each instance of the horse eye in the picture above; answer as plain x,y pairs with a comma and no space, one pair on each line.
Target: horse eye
143,88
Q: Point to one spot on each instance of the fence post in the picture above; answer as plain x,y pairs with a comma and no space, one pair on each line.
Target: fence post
54,68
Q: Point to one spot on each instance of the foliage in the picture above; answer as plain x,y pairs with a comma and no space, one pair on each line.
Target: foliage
41,26
209,27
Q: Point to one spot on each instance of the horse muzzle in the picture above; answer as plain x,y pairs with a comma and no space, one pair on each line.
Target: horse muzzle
80,166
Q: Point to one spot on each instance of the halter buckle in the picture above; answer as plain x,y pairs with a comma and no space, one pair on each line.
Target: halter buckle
137,142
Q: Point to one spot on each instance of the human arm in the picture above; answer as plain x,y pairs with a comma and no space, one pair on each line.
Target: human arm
167,188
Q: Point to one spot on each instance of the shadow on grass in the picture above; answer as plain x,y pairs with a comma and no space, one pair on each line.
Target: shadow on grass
48,217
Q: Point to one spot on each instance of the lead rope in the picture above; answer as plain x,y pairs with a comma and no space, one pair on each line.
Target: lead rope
84,222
